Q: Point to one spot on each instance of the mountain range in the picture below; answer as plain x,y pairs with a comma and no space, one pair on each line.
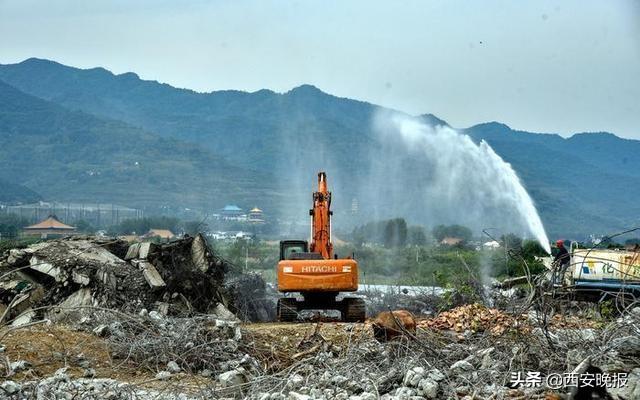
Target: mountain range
74,134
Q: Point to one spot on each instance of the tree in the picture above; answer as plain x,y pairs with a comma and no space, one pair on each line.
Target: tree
511,241
531,249
84,226
416,236
10,225
390,233
194,227
395,233
457,231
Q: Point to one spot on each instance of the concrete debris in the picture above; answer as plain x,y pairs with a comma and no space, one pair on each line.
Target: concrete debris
46,268
20,365
173,367
298,396
132,252
461,366
163,375
63,386
251,298
144,249
74,274
234,377
10,387
183,327
200,253
631,390
24,318
157,318
101,330
151,274
80,278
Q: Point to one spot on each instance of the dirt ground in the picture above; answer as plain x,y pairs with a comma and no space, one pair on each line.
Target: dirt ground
277,345
49,348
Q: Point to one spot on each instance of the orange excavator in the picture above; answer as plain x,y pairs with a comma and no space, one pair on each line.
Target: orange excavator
313,270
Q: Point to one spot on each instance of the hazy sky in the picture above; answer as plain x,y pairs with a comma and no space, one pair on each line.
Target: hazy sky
544,66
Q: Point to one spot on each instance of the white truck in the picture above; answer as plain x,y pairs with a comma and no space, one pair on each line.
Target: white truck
597,273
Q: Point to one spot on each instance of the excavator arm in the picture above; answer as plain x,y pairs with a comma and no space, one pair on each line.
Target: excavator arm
321,220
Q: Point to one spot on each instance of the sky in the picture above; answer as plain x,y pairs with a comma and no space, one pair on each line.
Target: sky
543,66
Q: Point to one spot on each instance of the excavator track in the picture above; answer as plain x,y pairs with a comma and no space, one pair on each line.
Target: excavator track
354,309
287,310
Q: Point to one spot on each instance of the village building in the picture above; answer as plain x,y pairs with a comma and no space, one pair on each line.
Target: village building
51,227
161,234
451,241
232,212
256,215
493,244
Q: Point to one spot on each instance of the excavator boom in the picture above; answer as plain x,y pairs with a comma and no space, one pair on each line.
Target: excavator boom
321,219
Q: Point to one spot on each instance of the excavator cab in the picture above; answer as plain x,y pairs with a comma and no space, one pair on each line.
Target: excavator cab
312,269
292,247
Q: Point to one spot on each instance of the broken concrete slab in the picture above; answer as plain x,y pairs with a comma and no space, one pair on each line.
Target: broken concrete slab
144,249
150,274
81,298
193,271
26,317
73,306
80,278
234,377
28,299
199,253
40,265
107,278
133,252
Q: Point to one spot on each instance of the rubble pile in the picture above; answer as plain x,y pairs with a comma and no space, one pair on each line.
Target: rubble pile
206,344
338,361
253,299
474,318
435,365
60,278
424,302
63,386
572,322
165,322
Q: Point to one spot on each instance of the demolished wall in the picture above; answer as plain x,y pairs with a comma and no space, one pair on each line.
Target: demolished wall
60,278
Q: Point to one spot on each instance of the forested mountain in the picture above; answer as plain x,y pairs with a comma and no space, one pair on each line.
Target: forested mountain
248,146
13,193
74,156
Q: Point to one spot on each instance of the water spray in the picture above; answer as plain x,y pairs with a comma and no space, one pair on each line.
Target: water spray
466,182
